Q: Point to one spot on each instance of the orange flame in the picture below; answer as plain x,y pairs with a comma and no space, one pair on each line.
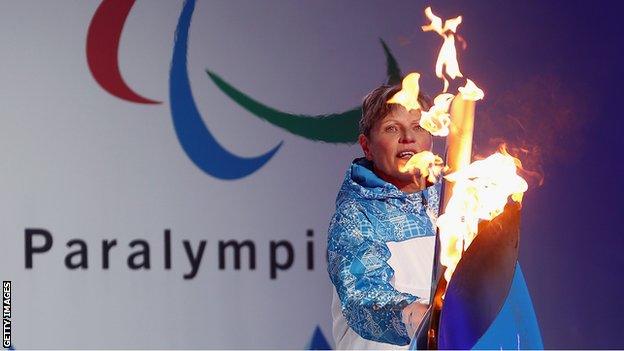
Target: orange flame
447,58
480,192
408,95
471,91
437,120
429,165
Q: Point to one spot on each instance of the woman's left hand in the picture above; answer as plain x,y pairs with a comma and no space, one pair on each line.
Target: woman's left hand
413,315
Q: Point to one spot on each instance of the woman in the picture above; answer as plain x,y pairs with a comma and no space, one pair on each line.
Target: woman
381,238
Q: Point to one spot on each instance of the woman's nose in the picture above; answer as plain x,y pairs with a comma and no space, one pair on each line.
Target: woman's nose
407,136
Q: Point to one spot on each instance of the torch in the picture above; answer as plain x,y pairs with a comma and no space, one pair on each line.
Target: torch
458,155
474,201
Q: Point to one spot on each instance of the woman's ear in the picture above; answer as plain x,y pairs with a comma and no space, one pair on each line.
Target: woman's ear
363,140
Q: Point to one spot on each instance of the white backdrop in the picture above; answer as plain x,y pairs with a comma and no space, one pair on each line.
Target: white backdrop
84,164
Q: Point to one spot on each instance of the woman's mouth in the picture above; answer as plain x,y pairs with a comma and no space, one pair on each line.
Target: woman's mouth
406,154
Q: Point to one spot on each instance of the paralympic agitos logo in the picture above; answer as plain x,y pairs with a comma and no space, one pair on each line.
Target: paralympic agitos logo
196,140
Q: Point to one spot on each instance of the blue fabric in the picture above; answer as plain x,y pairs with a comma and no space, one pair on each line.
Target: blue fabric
515,327
369,213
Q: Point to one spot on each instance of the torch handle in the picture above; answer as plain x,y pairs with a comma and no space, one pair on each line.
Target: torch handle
459,141
458,155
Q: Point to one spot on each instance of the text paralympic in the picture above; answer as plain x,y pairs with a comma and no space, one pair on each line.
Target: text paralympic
39,241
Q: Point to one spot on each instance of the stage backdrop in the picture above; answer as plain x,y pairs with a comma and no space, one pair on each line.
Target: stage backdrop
167,182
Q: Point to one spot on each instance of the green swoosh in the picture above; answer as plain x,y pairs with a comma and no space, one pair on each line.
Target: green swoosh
332,128
392,67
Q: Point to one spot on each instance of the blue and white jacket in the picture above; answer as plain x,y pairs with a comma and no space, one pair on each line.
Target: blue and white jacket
380,254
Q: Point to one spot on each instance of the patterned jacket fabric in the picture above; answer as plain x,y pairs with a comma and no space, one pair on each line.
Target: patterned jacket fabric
369,213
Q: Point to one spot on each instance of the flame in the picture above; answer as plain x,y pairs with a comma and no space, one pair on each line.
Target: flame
437,120
447,58
408,95
480,192
471,91
428,164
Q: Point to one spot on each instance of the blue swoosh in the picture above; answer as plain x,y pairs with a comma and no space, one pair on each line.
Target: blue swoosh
193,134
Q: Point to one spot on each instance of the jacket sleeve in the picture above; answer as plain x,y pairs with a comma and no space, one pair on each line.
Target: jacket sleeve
358,268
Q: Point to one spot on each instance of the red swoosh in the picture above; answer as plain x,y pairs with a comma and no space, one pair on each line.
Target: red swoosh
102,49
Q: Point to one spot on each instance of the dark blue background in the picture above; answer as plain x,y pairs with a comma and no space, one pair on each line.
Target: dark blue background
562,57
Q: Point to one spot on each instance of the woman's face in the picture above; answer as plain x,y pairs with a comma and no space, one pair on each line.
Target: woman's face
393,140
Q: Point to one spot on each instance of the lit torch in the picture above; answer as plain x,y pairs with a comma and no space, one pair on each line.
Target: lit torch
473,196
